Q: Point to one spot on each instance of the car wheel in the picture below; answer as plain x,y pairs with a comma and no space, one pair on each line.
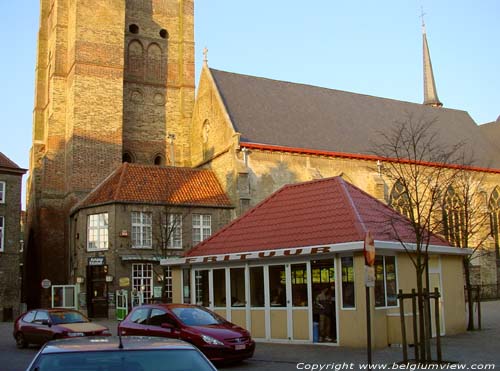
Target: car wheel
21,341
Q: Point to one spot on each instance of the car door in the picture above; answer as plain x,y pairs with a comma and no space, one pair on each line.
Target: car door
41,331
136,323
156,319
27,327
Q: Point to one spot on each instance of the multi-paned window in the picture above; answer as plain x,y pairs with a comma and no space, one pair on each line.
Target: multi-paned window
453,218
348,296
202,227
2,192
173,231
142,229
142,279
2,232
400,201
495,219
386,289
97,231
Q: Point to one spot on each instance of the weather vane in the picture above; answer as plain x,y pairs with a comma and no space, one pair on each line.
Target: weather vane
422,16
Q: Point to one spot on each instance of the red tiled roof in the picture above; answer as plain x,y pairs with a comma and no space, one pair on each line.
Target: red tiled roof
321,212
159,185
7,162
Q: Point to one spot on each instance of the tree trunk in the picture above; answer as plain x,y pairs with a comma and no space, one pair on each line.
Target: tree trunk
421,319
470,302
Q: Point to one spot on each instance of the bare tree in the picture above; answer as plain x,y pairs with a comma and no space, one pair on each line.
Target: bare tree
169,241
415,161
466,219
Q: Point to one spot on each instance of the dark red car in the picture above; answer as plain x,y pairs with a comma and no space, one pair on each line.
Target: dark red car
218,339
38,326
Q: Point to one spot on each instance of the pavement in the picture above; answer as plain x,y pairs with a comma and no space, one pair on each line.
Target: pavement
470,350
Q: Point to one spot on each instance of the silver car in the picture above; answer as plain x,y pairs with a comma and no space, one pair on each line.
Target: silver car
128,353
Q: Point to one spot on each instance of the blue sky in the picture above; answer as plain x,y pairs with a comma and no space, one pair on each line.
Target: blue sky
368,47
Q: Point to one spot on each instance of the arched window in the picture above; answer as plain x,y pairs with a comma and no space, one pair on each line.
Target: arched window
135,58
453,218
127,157
399,199
494,207
159,160
154,67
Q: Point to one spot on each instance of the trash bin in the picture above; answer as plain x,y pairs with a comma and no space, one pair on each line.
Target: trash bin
315,332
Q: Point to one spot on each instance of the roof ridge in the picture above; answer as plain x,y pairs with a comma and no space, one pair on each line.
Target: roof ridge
353,208
335,90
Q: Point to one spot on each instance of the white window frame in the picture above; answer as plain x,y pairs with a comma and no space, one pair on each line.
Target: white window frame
202,223
174,231
3,187
143,222
2,232
341,286
143,279
100,228
168,284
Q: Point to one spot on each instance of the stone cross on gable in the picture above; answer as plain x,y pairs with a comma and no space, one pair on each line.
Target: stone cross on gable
205,55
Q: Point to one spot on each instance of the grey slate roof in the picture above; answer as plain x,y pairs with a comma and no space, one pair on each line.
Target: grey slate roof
287,114
491,132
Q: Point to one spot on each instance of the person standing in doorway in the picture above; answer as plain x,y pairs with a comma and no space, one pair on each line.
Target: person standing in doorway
325,305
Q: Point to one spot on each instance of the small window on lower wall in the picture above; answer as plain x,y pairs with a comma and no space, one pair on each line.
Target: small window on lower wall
256,287
201,282
219,280
348,296
385,281
237,287
299,285
186,286
277,281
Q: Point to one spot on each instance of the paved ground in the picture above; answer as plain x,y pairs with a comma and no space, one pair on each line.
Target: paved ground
479,348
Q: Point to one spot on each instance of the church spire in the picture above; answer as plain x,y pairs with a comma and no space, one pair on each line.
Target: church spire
430,92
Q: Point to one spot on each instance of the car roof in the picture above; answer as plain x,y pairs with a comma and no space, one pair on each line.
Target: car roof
111,343
54,310
169,305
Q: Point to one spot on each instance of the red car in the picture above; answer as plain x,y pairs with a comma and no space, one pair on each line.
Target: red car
41,325
218,339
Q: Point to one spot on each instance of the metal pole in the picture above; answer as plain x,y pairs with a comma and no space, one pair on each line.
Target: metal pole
368,327
403,325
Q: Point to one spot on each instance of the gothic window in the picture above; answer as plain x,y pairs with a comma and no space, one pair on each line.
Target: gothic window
205,134
453,217
495,218
399,199
154,67
135,58
127,157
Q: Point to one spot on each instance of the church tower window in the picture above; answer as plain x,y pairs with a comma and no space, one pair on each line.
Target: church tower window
163,34
133,28
127,157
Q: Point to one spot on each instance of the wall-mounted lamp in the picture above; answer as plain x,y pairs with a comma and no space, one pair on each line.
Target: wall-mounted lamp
109,278
80,279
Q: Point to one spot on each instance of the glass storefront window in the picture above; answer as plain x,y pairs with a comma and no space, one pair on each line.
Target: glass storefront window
201,282
299,285
277,288
347,282
256,287
219,279
237,287
385,281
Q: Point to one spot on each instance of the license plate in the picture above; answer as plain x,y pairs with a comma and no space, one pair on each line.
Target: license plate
239,347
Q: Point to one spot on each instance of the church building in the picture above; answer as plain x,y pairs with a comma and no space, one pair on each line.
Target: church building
115,84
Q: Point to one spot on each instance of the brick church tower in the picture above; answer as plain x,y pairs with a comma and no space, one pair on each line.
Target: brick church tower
114,82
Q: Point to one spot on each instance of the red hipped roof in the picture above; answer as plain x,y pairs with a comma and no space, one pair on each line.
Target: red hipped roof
320,212
148,184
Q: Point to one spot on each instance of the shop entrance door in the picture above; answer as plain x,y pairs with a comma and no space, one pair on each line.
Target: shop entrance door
97,291
323,296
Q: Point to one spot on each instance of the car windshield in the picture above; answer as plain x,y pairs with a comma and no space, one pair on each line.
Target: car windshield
67,317
197,317
124,360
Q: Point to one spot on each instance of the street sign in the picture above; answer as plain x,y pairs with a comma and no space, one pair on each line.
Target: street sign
46,283
369,250
369,276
